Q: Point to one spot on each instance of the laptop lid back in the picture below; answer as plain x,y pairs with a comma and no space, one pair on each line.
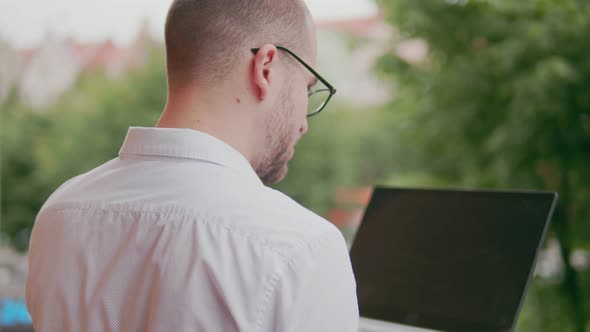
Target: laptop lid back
448,260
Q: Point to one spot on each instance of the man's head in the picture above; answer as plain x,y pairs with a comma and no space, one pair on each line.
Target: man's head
254,101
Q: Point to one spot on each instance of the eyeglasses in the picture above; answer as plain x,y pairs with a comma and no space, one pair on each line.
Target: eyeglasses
318,98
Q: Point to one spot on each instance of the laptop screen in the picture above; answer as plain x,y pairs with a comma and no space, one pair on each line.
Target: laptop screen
446,259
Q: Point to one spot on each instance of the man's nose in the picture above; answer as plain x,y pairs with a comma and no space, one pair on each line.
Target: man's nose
303,128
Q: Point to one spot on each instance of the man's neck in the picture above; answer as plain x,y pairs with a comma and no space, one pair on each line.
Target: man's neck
215,122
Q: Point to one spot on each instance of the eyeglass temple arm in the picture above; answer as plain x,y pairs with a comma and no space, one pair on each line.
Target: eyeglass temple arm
320,78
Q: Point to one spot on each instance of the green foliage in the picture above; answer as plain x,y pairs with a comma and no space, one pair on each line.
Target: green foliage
21,189
43,148
502,101
89,125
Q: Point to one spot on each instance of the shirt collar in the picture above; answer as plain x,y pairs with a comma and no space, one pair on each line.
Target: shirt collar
184,143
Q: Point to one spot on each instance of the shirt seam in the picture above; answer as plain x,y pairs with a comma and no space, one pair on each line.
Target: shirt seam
288,264
193,215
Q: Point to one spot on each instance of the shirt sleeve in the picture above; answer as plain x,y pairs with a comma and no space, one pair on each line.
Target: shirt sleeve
316,290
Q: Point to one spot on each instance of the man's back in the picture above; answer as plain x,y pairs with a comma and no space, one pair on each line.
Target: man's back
179,233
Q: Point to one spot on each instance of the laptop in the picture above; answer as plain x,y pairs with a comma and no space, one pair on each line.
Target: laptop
447,260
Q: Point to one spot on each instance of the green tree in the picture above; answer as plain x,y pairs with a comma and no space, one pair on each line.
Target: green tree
502,101
43,148
21,191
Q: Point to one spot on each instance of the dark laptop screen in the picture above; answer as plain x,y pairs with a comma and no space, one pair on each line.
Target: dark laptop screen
448,260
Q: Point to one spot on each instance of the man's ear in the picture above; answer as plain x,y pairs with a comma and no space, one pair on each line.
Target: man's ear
263,62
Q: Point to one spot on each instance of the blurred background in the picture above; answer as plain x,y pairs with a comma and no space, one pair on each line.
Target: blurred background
431,93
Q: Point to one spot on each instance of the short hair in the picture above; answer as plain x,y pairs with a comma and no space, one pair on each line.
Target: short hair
204,38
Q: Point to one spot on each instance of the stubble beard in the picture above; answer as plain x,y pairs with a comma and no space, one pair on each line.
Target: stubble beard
273,167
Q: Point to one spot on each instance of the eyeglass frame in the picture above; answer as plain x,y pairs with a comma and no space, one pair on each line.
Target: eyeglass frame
329,86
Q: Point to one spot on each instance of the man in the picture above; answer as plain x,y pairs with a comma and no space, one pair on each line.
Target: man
179,233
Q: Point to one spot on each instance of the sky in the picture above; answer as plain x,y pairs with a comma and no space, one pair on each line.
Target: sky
24,23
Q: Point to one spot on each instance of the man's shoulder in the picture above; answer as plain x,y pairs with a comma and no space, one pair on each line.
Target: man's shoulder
280,203
212,193
288,216
69,190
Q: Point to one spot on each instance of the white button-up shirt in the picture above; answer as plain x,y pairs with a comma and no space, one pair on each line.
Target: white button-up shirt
179,234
